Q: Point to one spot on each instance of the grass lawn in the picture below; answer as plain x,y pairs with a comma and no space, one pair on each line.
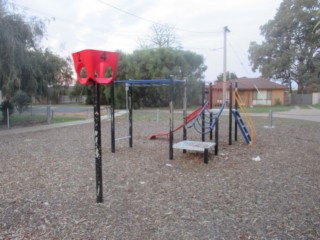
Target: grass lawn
61,119
29,120
316,105
262,109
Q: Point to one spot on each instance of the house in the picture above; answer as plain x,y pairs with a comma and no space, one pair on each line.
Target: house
253,92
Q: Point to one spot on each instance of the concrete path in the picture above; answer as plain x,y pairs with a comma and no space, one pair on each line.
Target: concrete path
312,114
52,126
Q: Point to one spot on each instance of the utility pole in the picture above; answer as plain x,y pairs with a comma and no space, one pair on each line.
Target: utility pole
224,87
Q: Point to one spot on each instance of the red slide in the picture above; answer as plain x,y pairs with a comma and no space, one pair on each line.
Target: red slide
190,117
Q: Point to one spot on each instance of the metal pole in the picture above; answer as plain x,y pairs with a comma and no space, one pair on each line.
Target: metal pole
236,109
203,113
171,92
97,140
225,31
158,115
127,97
210,105
8,118
130,116
113,144
185,114
230,114
216,136
49,114
270,119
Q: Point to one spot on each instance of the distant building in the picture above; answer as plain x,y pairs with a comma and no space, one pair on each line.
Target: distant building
253,92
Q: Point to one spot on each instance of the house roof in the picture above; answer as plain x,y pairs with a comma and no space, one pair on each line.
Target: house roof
245,83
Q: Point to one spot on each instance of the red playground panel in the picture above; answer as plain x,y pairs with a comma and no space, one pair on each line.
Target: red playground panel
96,64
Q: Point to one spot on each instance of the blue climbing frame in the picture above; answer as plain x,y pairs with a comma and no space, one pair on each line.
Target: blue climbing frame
144,83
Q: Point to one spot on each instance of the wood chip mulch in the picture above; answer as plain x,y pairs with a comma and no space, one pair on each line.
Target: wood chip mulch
47,185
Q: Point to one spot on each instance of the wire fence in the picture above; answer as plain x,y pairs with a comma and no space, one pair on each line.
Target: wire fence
45,114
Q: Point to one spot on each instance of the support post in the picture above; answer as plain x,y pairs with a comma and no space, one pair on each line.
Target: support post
270,119
8,118
48,114
158,115
113,144
206,156
203,113
127,96
216,136
224,87
97,140
130,115
210,106
171,122
230,114
236,106
185,114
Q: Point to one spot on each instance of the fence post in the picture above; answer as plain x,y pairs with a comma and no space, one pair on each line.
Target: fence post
49,114
158,115
8,118
270,117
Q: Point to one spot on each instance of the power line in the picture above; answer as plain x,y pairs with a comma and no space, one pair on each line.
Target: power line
239,59
154,22
126,12
50,18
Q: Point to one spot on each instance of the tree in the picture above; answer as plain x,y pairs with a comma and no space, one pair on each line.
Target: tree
160,36
23,65
21,100
4,107
287,52
160,63
56,74
18,36
230,76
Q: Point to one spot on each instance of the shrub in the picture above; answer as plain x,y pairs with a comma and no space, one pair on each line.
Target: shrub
4,106
21,101
278,102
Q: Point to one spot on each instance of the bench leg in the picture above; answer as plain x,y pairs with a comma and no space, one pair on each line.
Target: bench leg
206,156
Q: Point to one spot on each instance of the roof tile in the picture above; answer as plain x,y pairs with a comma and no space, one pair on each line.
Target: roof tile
245,83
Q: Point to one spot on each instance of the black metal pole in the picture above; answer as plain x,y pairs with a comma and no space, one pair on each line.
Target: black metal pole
216,136
113,144
185,114
97,140
230,114
130,116
203,113
210,105
236,106
171,92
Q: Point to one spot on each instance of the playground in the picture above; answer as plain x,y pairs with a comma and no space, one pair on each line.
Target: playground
266,191
71,182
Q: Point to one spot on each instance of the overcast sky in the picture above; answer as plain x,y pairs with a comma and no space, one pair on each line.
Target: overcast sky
119,24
